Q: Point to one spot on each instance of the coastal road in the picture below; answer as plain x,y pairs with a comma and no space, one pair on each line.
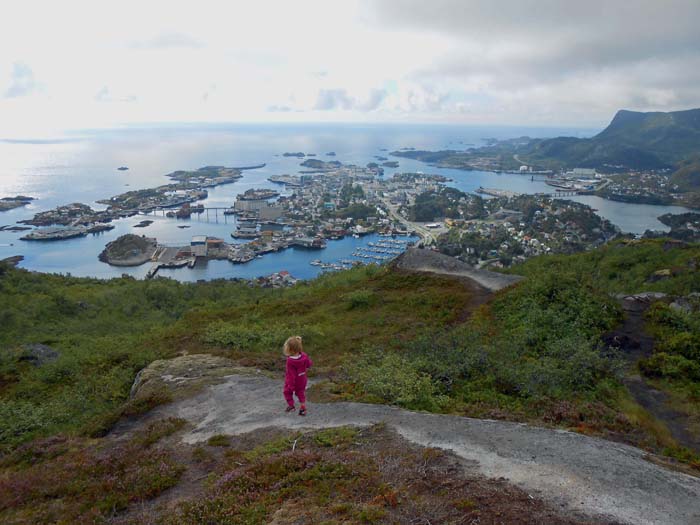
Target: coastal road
593,476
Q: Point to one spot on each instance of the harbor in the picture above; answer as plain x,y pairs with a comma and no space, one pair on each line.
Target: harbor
204,248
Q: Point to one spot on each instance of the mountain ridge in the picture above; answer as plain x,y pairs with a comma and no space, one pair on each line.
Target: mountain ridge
633,139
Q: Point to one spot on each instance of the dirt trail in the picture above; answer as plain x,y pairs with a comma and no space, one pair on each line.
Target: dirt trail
637,344
584,474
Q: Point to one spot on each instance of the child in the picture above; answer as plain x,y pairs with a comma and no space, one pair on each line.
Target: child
295,379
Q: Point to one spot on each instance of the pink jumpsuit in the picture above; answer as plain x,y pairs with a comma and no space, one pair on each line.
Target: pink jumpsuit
295,378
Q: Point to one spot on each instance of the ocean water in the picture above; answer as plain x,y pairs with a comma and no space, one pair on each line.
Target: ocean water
81,166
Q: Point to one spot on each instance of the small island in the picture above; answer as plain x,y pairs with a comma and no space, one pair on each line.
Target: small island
320,165
129,250
122,168
299,154
10,203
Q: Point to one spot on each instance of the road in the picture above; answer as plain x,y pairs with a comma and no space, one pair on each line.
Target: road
428,237
589,475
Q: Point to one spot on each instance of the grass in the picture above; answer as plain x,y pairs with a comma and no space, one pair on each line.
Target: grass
106,331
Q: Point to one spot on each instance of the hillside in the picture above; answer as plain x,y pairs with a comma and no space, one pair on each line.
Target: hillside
632,139
687,177
539,351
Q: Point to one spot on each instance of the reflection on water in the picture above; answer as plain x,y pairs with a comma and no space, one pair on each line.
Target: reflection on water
84,170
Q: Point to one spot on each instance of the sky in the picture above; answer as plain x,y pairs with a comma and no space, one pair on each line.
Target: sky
77,64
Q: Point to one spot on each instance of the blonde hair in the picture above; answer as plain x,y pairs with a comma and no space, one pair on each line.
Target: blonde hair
292,346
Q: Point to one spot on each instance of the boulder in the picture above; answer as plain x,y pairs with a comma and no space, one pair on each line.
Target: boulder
38,354
183,376
659,275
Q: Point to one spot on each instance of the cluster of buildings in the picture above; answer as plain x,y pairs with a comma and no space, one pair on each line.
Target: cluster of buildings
518,228
646,187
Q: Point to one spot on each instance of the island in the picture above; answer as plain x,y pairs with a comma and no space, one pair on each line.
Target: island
287,180
122,168
10,203
129,250
299,154
63,233
320,165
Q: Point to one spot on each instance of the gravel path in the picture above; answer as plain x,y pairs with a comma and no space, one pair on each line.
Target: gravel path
584,474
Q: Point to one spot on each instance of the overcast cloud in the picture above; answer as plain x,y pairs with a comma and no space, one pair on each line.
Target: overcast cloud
544,62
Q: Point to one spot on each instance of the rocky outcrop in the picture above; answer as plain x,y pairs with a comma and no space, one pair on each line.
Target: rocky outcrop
582,473
183,375
422,260
38,354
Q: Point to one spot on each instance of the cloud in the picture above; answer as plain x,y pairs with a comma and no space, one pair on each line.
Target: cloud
104,95
168,40
22,81
279,108
540,56
339,99
330,99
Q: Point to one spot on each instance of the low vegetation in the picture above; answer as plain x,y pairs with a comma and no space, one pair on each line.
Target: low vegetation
104,332
347,475
70,349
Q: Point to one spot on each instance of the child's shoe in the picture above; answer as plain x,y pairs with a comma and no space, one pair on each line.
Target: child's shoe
302,411
290,409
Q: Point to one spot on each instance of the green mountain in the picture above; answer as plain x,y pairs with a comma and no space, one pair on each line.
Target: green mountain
687,177
633,139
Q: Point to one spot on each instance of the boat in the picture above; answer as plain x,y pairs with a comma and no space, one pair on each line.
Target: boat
316,262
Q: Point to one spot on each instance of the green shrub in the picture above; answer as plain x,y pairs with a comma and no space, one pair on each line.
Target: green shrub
258,336
219,440
391,378
335,437
670,366
360,298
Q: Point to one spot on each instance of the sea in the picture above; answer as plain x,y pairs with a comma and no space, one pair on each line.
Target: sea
81,166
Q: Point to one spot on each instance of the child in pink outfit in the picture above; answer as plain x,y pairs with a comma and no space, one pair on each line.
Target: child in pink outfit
295,378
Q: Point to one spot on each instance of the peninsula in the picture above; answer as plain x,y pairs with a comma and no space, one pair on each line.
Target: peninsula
646,158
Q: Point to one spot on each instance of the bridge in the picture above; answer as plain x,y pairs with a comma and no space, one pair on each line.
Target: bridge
564,193
196,211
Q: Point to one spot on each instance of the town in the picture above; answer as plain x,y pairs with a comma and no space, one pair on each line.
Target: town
332,200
